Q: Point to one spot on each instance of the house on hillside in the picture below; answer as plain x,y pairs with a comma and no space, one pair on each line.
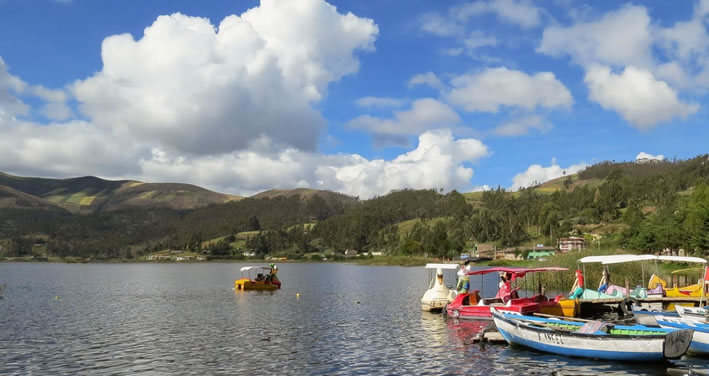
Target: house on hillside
573,243
508,254
485,250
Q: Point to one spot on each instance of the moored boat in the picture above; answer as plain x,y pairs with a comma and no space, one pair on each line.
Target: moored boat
700,339
592,339
472,306
438,294
264,281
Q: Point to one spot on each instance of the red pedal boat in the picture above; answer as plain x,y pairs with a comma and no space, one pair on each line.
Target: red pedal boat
472,306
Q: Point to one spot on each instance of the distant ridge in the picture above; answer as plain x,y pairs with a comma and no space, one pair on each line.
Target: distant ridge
89,194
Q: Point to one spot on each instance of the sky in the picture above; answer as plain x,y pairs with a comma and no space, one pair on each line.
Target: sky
359,97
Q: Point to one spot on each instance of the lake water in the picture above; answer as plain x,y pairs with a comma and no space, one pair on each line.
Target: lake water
100,319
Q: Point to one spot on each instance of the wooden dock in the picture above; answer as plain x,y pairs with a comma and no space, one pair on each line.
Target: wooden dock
489,336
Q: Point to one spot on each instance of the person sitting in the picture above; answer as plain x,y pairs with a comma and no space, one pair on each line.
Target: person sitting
577,288
260,277
605,281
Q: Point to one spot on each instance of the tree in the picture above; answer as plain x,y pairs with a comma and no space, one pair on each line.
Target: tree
253,224
696,224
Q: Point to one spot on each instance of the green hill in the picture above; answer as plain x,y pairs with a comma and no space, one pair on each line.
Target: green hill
643,207
90,194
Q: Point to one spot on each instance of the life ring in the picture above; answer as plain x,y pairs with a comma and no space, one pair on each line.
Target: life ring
456,313
626,306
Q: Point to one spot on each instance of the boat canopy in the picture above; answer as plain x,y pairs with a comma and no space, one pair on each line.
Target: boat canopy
616,259
245,268
698,260
441,266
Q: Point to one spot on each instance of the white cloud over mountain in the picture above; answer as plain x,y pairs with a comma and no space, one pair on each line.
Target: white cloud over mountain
643,156
439,161
537,174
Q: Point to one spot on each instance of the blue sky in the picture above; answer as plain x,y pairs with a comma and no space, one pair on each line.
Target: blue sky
354,96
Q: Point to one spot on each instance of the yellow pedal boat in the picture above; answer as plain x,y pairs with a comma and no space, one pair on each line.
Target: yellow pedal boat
263,282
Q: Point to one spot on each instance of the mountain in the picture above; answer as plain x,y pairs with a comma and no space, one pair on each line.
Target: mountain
645,207
89,194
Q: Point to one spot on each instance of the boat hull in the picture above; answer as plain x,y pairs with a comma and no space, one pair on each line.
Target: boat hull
481,309
246,284
700,340
565,307
595,346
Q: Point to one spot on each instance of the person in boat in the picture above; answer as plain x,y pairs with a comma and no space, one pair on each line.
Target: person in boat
577,288
272,274
260,277
505,292
464,279
605,281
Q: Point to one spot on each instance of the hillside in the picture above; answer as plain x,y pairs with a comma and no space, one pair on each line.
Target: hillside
646,207
84,195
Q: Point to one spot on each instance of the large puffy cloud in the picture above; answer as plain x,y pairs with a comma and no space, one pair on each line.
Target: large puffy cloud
424,114
641,100
537,174
439,161
201,89
492,88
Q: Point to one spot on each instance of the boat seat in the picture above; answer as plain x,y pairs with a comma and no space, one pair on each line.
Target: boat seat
489,301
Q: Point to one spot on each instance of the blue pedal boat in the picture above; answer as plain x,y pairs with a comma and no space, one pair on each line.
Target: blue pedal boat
592,339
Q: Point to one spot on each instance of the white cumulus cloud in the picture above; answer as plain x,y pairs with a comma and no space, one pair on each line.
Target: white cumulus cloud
522,13
205,89
428,78
643,156
439,161
618,38
537,174
424,114
641,100
493,88
12,87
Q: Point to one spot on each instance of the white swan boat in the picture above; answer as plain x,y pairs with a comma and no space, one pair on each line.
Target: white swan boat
438,294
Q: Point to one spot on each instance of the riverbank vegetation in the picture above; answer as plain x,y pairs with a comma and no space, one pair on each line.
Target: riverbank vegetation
638,207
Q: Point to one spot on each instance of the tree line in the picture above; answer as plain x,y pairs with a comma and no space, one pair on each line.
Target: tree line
647,207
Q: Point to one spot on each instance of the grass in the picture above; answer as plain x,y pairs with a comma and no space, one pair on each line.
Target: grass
395,260
406,226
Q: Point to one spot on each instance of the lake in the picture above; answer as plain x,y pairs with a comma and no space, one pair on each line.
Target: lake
100,319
